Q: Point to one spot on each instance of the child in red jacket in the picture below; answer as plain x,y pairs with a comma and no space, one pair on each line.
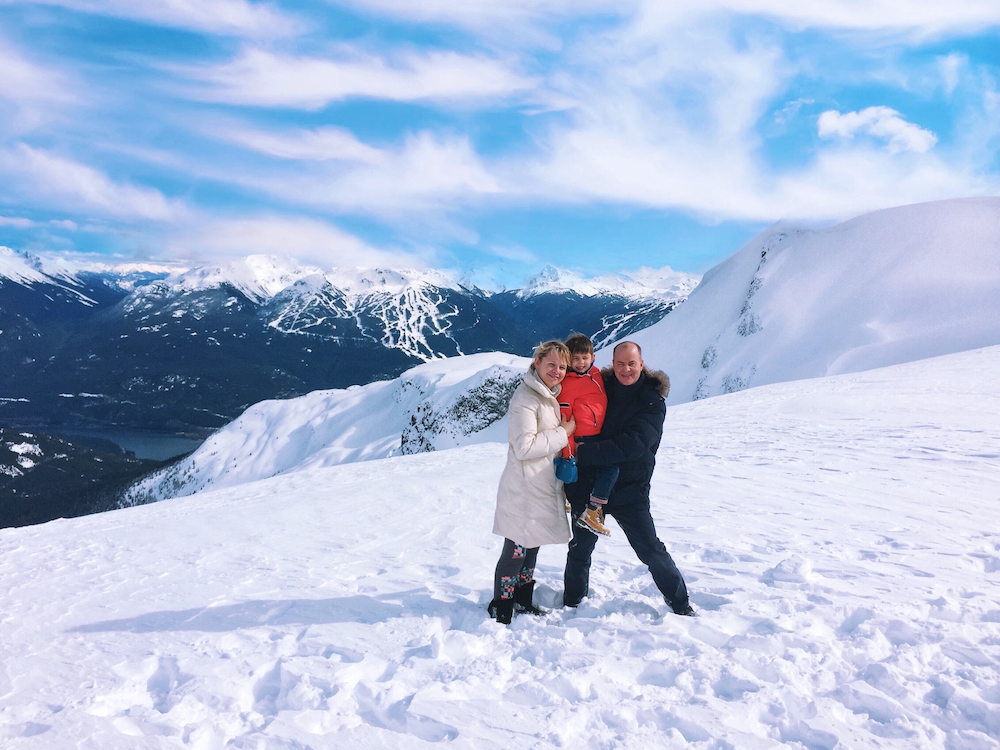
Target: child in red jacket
583,397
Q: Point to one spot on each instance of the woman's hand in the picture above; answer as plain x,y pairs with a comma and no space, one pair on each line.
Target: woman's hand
567,424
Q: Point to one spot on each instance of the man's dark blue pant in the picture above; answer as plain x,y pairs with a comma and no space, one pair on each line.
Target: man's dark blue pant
637,523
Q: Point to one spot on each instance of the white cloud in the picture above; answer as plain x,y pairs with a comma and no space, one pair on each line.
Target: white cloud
924,17
426,168
791,110
302,238
513,23
18,222
665,118
55,181
320,144
950,68
261,78
23,81
526,21
880,122
669,119
515,253
843,183
229,17
421,182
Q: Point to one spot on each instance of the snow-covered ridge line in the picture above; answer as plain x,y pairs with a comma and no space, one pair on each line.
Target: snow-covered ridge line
27,270
892,286
31,268
442,404
663,283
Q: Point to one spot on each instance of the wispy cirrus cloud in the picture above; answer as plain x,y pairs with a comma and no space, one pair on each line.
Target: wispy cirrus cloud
922,17
26,82
318,144
262,78
299,237
421,181
880,122
48,180
227,17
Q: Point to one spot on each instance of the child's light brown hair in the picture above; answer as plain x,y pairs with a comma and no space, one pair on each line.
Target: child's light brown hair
579,344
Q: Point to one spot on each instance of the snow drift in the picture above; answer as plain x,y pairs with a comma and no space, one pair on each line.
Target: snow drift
888,287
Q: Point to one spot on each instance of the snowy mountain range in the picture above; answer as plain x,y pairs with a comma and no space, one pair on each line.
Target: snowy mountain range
188,349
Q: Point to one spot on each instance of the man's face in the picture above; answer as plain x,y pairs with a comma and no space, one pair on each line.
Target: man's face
627,364
581,362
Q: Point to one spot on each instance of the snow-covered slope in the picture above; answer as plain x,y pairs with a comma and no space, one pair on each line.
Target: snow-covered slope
839,537
441,404
29,271
16,268
888,287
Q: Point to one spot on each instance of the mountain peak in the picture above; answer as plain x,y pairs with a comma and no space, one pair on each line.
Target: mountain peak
18,268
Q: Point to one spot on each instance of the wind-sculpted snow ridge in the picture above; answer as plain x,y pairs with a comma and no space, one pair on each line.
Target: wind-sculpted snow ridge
442,404
891,286
838,536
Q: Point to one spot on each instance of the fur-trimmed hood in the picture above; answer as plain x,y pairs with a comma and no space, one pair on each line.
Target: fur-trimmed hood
658,377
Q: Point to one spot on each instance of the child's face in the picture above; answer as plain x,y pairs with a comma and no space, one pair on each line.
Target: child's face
581,362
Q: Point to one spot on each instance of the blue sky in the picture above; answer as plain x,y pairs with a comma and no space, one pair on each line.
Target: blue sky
482,136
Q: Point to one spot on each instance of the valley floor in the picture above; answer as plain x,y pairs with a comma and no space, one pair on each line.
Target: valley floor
841,539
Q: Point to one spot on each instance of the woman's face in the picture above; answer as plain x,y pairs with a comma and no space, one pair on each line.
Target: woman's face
551,368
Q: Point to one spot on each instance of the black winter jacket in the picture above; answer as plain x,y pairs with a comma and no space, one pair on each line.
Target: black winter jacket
631,435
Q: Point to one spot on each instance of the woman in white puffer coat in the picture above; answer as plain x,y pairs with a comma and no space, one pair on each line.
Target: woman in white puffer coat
531,510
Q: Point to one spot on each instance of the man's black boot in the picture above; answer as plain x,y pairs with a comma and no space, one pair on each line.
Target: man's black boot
522,597
685,610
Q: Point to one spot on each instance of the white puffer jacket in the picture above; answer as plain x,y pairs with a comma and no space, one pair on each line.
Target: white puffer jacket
530,506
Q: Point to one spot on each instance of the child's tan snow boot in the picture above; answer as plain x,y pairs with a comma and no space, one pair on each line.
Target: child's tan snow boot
593,519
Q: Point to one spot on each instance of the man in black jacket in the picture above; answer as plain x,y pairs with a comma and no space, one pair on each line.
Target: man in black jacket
629,439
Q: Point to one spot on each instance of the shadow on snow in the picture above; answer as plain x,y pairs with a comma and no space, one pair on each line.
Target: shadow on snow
365,610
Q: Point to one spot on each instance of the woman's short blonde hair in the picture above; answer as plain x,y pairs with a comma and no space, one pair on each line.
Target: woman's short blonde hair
543,350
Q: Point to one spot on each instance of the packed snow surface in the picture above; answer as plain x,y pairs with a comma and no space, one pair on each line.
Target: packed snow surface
888,287
839,535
